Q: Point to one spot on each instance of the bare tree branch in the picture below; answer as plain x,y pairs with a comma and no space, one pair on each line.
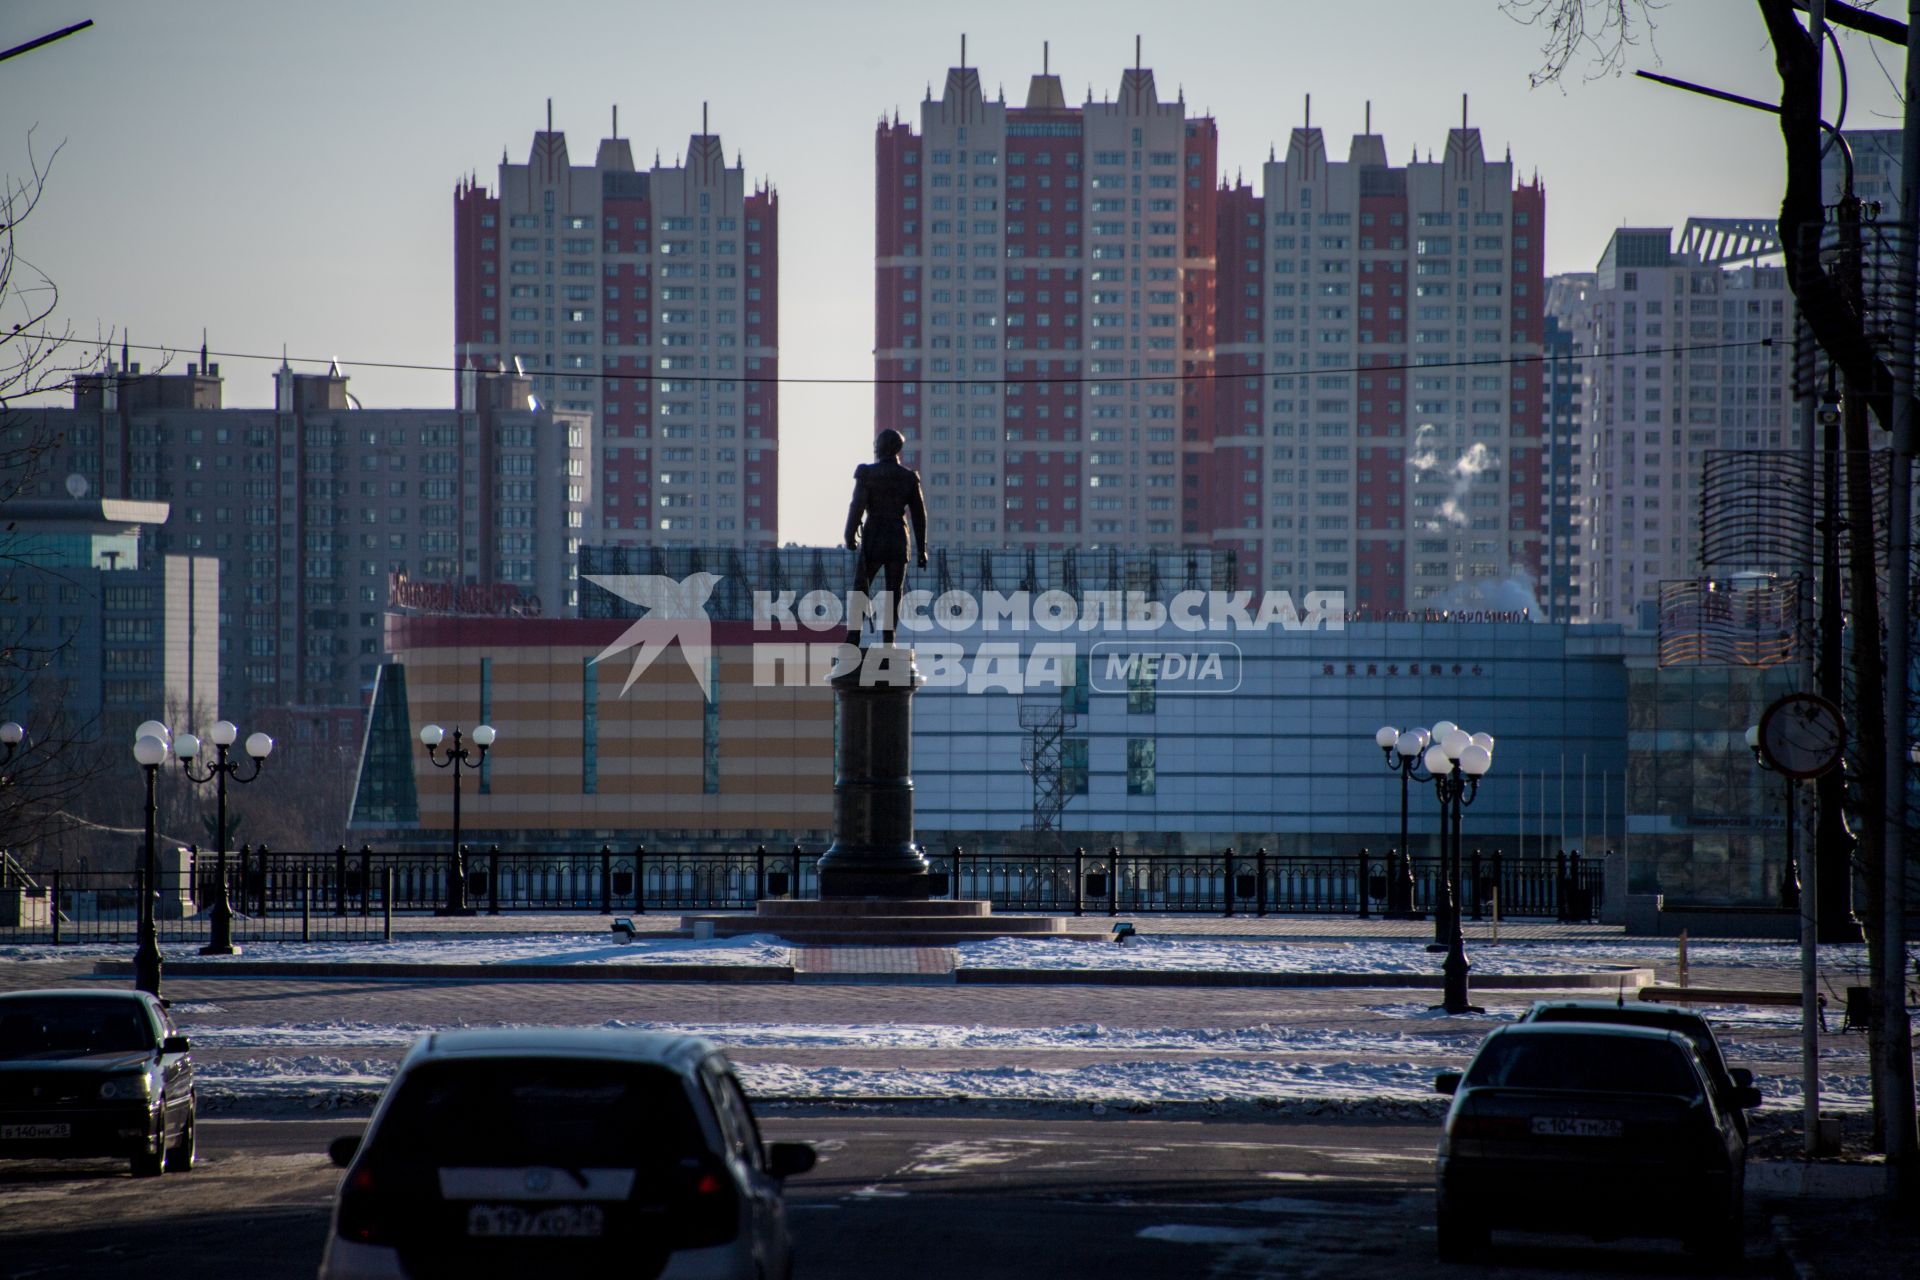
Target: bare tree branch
1603,30
61,758
1858,19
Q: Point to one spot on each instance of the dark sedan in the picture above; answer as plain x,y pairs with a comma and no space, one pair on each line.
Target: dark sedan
1733,1087
1607,1131
95,1073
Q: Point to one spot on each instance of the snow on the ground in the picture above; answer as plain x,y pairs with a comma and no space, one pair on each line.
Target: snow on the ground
757,949
1370,955
1388,955
910,1037
1115,1083
1731,954
295,1076
1272,1063
1203,1079
1427,1011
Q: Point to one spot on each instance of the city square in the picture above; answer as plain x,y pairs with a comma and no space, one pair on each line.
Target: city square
1357,718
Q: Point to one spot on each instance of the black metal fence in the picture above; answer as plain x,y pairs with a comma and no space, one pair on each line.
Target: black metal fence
1257,883
104,907
355,893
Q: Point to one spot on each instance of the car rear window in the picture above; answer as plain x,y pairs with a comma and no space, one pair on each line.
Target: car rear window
46,1026
1659,1019
1621,1064
514,1112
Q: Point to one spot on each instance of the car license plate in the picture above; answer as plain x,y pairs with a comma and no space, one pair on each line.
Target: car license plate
1574,1127
27,1131
559,1220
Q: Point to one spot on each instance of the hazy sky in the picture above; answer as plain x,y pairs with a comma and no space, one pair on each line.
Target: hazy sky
283,174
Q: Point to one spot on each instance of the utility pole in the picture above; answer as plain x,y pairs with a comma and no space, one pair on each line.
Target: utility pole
1897,1037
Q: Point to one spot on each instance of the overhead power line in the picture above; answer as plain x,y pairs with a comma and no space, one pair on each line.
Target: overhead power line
675,375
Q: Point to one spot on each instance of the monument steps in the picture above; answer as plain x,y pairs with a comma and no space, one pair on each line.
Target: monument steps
883,921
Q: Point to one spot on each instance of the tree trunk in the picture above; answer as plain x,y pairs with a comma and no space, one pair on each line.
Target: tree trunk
1869,727
1838,326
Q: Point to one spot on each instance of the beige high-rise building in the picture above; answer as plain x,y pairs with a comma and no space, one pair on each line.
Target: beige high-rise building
1679,358
647,299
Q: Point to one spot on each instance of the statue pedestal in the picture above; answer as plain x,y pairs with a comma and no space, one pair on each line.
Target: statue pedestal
873,853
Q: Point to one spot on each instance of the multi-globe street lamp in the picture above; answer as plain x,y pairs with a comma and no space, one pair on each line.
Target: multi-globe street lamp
1457,760
457,758
187,747
151,742
1402,749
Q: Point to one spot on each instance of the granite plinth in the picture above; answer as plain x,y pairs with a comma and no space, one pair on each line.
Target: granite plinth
931,922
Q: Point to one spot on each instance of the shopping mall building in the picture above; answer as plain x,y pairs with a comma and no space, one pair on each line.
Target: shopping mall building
1107,730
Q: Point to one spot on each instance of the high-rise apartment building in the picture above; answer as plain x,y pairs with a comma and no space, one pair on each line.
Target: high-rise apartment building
1044,308
648,299
1563,426
1392,445
321,513
1091,342
107,632
1676,364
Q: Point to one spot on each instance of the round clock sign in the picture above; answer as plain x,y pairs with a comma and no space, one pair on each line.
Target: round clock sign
1802,735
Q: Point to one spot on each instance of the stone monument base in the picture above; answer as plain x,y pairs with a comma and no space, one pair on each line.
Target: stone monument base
889,922
896,886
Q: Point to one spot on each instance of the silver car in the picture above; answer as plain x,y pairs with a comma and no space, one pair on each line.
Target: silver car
561,1151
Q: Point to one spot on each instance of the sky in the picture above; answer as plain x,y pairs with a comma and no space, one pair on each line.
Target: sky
281,174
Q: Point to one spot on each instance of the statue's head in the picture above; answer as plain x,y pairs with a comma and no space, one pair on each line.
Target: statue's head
888,444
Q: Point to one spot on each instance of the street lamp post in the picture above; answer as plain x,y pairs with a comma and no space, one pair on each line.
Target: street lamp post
150,744
457,758
11,735
1790,881
187,747
1402,749
1457,760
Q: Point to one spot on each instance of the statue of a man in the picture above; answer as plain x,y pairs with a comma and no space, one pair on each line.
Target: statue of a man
886,495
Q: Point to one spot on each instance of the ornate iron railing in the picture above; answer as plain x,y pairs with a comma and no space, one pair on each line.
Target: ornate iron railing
354,893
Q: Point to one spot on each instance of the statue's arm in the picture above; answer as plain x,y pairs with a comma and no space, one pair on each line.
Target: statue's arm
857,509
917,509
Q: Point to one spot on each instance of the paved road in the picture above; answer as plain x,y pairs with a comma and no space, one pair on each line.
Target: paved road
925,1197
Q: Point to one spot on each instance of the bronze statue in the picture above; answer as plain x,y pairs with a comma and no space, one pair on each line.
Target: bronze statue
887,495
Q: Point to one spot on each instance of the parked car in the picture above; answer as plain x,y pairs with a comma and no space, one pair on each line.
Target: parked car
1733,1087
562,1151
1607,1131
95,1073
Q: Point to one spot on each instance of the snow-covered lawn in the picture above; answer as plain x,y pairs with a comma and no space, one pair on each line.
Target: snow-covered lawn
912,1037
1148,952
1370,955
1265,1063
756,949
1387,1057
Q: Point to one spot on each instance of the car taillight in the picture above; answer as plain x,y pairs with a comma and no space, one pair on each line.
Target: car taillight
711,1206
1481,1128
367,1216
